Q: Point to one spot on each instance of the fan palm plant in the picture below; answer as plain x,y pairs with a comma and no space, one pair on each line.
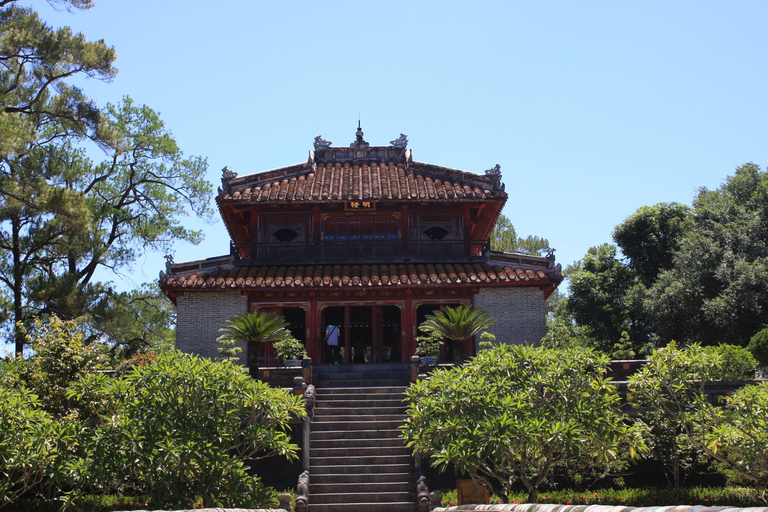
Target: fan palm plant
458,324
253,329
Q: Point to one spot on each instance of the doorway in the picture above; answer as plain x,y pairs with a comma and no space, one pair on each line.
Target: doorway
367,334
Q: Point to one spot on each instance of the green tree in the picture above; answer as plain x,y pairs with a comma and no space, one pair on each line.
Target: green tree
717,288
181,427
758,346
253,329
649,238
504,238
30,443
665,391
459,324
60,358
659,393
134,322
736,435
514,413
39,107
63,216
600,300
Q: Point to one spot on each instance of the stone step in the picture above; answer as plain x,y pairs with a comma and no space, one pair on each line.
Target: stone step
364,367
381,400
407,506
322,426
360,487
360,497
355,418
363,478
359,392
381,442
353,469
369,433
360,460
358,383
360,451
362,406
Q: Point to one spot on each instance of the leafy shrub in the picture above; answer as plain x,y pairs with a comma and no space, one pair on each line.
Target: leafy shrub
758,346
733,362
30,443
642,497
512,413
60,357
181,428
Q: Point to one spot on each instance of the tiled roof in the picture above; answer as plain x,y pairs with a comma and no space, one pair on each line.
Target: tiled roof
368,275
375,181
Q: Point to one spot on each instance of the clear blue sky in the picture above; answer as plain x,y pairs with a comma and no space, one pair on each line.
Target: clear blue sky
592,109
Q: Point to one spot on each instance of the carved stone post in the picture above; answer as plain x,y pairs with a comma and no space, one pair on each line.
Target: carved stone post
284,500
415,366
306,369
298,386
302,491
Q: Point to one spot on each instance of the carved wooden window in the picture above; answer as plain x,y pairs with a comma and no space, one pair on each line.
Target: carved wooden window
436,232
369,227
285,235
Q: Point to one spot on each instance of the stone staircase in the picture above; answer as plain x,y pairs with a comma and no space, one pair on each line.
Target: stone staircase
357,461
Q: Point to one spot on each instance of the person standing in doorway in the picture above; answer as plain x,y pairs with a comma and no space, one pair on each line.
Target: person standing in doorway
332,340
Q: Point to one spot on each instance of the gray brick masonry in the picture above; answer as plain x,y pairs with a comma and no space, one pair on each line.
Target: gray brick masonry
519,311
199,317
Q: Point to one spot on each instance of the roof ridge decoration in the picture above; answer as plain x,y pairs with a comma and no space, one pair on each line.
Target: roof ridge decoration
495,174
360,151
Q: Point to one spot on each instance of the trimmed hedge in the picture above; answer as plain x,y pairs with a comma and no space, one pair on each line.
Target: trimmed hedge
642,497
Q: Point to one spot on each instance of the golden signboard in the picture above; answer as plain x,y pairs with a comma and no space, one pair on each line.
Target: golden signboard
359,205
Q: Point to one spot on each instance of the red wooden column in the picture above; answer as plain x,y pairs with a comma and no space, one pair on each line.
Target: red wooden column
405,234
315,340
254,228
317,230
466,215
408,342
347,323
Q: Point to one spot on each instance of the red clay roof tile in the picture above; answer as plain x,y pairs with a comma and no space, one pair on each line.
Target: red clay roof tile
375,181
422,274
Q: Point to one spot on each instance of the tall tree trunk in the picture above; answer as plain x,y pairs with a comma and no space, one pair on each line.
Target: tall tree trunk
18,285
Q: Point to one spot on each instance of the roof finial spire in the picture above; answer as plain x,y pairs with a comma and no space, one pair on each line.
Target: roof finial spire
359,142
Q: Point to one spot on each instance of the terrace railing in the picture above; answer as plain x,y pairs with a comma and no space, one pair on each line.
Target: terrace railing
360,251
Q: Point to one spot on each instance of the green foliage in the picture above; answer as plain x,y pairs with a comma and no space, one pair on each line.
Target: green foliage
428,344
758,346
514,413
60,358
228,351
669,392
504,238
181,428
659,392
600,301
254,328
643,497
717,288
290,348
649,238
623,349
134,322
733,362
736,435
457,324
28,447
62,215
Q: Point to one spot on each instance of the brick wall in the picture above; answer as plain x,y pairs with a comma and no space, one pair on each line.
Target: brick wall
519,312
199,317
